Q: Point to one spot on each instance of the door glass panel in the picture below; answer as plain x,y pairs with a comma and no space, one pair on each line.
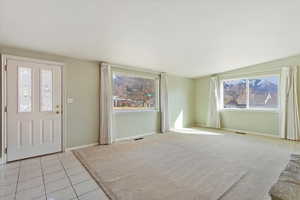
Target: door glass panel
24,89
46,88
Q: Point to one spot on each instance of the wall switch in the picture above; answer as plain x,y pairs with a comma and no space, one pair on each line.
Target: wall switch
70,100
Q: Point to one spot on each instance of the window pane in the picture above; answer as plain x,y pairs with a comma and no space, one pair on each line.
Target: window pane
24,89
235,95
46,90
134,92
264,92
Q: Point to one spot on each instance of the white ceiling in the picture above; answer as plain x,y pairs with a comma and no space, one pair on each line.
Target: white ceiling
185,37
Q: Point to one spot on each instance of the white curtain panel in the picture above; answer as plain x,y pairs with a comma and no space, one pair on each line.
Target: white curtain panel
213,120
289,113
105,104
164,107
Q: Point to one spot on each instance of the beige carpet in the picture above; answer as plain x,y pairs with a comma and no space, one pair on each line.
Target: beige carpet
188,166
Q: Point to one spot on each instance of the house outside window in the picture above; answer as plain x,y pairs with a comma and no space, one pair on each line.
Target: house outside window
133,92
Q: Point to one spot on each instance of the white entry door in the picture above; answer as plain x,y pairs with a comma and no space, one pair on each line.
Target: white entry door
34,119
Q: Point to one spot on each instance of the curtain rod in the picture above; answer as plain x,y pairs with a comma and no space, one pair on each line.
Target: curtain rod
137,69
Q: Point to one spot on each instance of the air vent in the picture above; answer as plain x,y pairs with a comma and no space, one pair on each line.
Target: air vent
136,139
241,133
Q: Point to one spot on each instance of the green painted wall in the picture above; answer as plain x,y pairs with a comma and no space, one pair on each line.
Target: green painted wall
202,92
129,124
82,84
181,111
252,121
181,101
188,101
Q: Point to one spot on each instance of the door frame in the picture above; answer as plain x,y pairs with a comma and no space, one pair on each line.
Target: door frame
4,58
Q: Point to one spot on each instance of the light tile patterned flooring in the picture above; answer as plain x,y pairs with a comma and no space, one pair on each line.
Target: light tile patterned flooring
53,177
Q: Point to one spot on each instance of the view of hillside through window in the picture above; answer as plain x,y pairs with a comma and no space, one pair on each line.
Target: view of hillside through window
131,92
235,94
260,93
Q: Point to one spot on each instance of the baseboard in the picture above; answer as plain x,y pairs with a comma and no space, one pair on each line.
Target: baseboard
197,124
82,146
2,161
251,133
116,140
238,130
134,137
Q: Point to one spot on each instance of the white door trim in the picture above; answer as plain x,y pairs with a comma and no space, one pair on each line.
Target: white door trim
4,59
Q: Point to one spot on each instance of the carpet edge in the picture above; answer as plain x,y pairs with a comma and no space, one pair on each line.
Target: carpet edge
92,173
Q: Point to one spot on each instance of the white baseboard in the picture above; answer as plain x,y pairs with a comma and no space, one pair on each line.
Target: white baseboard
200,125
116,140
134,137
82,146
251,133
2,161
243,131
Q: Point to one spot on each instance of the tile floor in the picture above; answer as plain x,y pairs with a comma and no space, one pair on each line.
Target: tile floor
52,177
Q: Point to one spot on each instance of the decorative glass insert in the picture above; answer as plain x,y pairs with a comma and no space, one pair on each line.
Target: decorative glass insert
24,89
46,90
234,93
132,92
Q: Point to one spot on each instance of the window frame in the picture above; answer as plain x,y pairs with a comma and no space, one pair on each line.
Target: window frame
136,75
248,108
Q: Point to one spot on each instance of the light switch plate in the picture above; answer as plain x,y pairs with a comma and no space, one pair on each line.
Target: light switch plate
70,100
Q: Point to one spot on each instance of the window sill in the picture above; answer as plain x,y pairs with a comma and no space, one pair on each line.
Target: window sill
249,110
133,110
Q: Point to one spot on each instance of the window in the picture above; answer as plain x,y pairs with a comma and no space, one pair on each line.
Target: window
46,90
251,93
24,89
134,92
235,93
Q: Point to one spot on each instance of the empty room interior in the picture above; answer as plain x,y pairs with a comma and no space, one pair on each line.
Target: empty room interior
150,100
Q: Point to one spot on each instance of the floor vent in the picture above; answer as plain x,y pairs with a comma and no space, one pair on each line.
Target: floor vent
241,133
136,139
